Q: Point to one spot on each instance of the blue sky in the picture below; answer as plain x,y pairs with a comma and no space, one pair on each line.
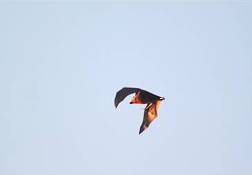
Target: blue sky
62,63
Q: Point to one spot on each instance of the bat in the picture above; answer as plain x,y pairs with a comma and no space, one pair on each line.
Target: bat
141,96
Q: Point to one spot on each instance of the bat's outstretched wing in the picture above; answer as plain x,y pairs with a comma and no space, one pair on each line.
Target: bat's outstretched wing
123,93
150,113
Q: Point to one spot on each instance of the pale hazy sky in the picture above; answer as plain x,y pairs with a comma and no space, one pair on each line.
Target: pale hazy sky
61,65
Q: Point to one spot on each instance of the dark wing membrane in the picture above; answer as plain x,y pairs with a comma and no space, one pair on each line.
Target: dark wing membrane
149,97
123,93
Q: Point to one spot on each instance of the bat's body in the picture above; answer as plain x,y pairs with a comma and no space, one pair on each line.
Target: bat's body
141,97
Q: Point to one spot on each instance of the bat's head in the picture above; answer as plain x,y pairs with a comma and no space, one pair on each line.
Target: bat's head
136,99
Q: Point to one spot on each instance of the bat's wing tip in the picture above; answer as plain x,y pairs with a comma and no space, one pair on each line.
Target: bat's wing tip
142,128
116,103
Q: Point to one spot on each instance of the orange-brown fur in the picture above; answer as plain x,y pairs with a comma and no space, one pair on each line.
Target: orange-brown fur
136,99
